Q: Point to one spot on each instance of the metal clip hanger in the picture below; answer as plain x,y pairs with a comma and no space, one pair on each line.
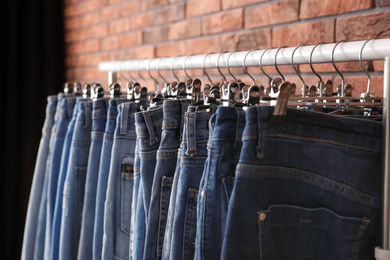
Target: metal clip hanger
252,96
68,88
320,84
77,88
179,89
193,86
141,97
115,90
368,96
97,91
229,91
87,90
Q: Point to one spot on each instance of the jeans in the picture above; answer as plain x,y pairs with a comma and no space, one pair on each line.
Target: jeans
99,117
149,127
74,186
63,116
134,202
173,112
217,181
117,213
308,188
104,169
57,216
193,157
32,216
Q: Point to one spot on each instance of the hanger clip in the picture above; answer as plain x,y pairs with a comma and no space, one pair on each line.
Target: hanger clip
195,91
229,92
279,114
87,90
115,90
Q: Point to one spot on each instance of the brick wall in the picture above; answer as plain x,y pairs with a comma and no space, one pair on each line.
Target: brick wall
101,30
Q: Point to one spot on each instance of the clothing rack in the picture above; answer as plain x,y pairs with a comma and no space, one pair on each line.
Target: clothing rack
376,49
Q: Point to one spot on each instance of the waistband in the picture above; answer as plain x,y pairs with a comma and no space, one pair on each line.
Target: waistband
51,104
85,112
314,126
149,123
196,130
99,108
229,124
113,106
174,111
125,120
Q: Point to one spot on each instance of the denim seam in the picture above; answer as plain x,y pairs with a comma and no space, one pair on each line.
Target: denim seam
322,140
316,183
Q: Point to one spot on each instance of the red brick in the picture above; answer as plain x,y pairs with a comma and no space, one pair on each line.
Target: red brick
92,45
316,8
304,33
198,7
130,39
363,27
90,18
149,4
142,20
100,30
170,13
273,13
72,23
110,43
203,45
184,29
118,26
110,12
155,34
223,22
260,39
382,2
142,52
378,65
171,49
129,7
227,4
74,48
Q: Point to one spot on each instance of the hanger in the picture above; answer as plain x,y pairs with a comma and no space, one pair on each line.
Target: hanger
87,90
179,89
97,91
341,89
156,96
252,95
193,86
368,96
320,84
68,88
229,91
304,86
77,88
132,87
141,96
279,113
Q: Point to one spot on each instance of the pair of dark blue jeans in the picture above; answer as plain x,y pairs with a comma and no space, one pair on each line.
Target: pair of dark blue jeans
179,242
224,148
308,188
173,112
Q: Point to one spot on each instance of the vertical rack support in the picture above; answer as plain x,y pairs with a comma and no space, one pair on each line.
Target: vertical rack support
111,77
384,252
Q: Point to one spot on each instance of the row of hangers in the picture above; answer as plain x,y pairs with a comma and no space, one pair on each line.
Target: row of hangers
280,93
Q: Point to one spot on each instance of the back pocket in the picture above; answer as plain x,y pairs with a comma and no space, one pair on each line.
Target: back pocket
190,224
292,232
127,182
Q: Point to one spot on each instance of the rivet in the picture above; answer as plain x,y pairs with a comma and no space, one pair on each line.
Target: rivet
262,216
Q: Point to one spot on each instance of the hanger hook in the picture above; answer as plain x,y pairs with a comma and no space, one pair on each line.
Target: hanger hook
159,73
150,75
173,71
184,66
334,66
364,69
218,67
276,64
204,69
244,66
139,74
227,66
261,64
312,69
296,70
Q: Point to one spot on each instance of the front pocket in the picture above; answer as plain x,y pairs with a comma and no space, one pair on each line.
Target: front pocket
127,182
190,224
293,232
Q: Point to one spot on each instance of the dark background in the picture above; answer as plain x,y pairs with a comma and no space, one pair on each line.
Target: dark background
33,68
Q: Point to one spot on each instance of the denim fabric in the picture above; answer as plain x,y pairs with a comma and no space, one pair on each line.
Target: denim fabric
217,182
149,126
63,116
193,157
117,213
32,218
137,179
57,216
74,186
99,117
173,112
308,188
104,169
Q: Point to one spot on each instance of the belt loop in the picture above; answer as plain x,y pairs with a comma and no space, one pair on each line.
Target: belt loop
182,113
191,134
149,124
124,117
238,118
260,137
88,113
